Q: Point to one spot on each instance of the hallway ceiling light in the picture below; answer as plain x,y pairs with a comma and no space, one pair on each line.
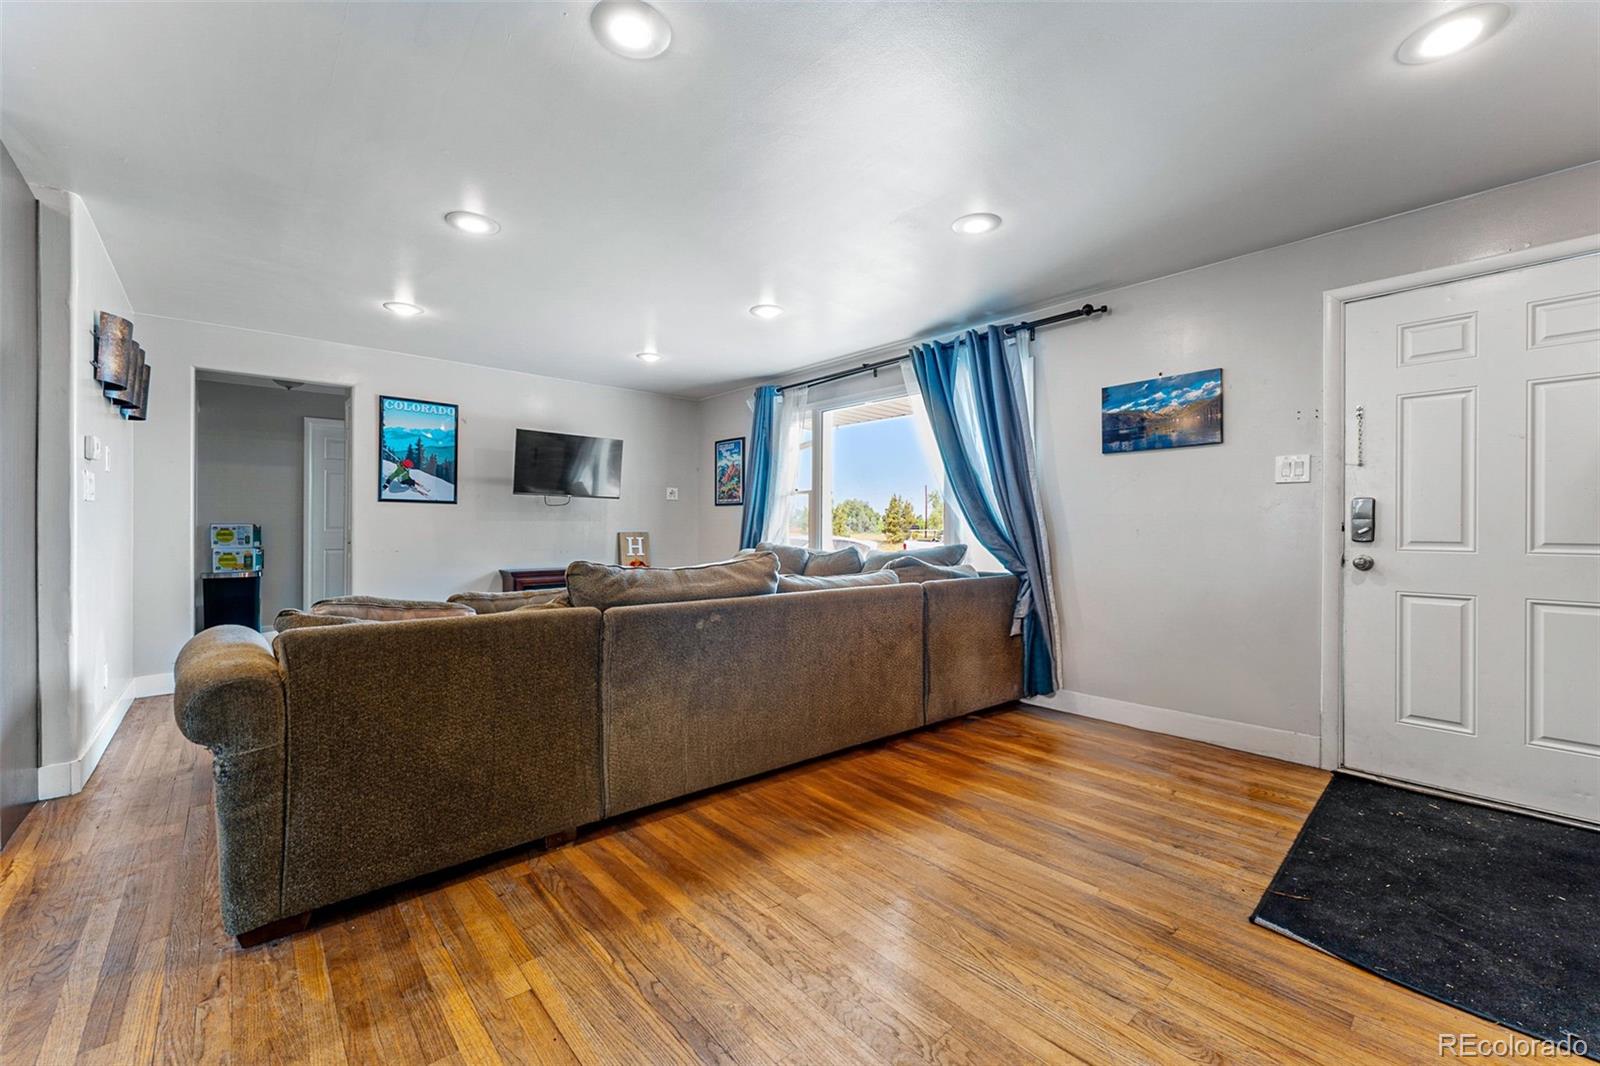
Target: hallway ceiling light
1452,33
631,28
403,309
473,223
767,311
648,357
974,224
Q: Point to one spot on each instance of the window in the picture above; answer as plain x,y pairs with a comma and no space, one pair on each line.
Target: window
883,491
870,475
797,528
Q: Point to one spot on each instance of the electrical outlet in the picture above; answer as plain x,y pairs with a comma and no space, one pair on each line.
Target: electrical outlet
1292,469
88,486
672,493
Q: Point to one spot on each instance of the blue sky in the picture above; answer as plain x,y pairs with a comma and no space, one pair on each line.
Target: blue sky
1156,393
871,460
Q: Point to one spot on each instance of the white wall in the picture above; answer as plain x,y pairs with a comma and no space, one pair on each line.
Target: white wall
251,469
86,548
1187,581
407,549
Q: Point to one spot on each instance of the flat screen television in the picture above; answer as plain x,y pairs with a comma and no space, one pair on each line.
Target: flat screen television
565,464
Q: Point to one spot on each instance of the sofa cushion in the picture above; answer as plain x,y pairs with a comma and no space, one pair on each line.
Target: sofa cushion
290,618
495,602
810,583
937,554
846,560
791,557
921,570
561,599
383,609
604,586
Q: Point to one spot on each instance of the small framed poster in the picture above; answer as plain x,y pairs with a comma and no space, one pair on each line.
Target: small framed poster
633,549
728,462
417,451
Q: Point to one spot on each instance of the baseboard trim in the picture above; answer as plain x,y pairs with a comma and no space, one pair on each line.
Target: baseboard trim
68,778
1242,736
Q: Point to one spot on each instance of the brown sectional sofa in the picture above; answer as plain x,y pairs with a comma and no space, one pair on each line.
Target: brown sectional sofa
352,757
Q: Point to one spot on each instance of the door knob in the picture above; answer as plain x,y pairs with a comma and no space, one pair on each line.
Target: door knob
1362,562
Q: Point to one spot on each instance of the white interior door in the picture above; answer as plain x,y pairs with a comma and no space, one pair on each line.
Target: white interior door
1472,644
327,549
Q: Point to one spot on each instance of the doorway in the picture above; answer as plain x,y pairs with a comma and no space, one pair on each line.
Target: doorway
19,443
1471,544
271,455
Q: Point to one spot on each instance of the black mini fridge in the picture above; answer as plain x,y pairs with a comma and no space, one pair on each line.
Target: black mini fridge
231,600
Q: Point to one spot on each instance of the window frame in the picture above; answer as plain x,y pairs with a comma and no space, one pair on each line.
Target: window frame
883,388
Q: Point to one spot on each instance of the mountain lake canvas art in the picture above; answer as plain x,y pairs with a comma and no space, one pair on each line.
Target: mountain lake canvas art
1171,412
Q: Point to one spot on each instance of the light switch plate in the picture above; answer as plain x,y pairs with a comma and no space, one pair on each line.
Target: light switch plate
91,447
1291,469
672,493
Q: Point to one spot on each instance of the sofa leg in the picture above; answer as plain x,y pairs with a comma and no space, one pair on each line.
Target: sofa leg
275,930
561,839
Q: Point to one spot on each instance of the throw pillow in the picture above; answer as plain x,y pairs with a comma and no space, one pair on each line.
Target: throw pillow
809,583
937,554
383,609
495,602
791,557
846,560
603,586
289,618
919,570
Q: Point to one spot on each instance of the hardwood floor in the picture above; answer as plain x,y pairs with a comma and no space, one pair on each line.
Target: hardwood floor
1015,887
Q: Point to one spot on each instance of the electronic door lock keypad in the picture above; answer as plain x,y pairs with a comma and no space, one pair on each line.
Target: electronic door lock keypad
1363,519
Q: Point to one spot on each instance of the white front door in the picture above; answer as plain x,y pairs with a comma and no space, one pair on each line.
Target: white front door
1472,638
327,554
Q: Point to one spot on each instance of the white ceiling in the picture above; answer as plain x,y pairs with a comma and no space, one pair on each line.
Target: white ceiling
285,166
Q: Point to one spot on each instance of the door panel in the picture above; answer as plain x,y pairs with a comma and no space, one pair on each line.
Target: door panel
1439,471
1563,676
1437,663
1563,432
327,511
1471,643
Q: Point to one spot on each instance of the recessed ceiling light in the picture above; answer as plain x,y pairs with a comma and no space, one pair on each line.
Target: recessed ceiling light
403,309
1452,33
473,223
981,222
648,357
766,310
631,28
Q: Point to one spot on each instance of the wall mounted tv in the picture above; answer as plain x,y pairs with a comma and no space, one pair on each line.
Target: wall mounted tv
565,464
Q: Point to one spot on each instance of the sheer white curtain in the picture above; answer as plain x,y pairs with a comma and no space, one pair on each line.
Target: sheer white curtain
788,432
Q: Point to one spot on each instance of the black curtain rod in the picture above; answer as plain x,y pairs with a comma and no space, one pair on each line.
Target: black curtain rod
872,368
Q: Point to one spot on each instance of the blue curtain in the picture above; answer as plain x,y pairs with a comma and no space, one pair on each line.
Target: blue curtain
978,406
760,466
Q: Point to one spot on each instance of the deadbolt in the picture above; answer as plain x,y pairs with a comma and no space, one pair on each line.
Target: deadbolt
1362,562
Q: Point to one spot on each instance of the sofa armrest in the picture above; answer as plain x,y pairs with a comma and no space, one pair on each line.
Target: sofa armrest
228,691
973,660
229,696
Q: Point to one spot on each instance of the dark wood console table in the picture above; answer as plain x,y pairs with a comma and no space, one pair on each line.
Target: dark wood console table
532,578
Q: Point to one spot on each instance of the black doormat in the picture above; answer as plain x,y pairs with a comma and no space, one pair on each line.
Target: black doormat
1495,913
